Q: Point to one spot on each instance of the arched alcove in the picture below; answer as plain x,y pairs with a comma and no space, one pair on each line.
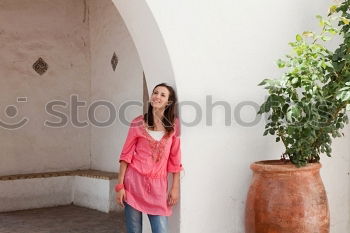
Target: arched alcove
148,40
71,62
80,51
154,58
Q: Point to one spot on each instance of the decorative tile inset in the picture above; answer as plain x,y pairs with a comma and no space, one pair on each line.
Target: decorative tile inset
114,61
40,66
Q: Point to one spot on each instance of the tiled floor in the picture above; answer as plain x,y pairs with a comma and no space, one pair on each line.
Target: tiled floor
64,219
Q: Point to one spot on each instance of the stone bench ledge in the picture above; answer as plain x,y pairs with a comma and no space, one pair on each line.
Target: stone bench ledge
86,173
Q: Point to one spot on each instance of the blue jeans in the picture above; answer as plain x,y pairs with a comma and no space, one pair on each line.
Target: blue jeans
133,219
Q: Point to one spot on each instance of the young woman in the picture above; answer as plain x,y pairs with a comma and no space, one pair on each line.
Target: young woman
151,151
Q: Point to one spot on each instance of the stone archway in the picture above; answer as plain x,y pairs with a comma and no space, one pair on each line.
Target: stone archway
148,40
154,57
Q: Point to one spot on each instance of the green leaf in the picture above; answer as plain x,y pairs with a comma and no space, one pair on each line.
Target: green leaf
332,31
263,82
298,37
308,34
296,111
294,80
325,38
322,22
343,96
285,108
299,51
344,89
274,118
345,20
292,44
329,64
281,63
333,9
289,116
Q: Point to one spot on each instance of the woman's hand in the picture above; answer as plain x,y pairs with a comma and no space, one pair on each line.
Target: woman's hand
173,196
121,196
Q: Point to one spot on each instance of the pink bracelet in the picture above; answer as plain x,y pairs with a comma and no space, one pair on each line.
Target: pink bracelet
119,187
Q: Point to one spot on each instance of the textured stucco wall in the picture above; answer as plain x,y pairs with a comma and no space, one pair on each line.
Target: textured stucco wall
108,34
60,32
57,31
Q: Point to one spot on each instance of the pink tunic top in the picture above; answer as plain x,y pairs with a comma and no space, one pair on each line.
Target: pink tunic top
149,162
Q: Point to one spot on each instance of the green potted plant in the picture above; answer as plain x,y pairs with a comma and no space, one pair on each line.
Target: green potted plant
306,108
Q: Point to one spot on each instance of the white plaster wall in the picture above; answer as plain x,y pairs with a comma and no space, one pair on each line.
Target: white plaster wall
57,31
91,193
113,206
336,175
109,34
148,40
35,193
224,49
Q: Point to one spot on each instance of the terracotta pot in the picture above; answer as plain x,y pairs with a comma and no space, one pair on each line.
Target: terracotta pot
285,199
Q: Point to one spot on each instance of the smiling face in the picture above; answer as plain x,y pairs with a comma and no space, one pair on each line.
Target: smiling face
160,97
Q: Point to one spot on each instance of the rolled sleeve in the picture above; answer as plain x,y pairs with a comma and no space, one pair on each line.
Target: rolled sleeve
174,161
129,146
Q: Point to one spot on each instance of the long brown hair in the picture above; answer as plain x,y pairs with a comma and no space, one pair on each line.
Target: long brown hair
170,112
